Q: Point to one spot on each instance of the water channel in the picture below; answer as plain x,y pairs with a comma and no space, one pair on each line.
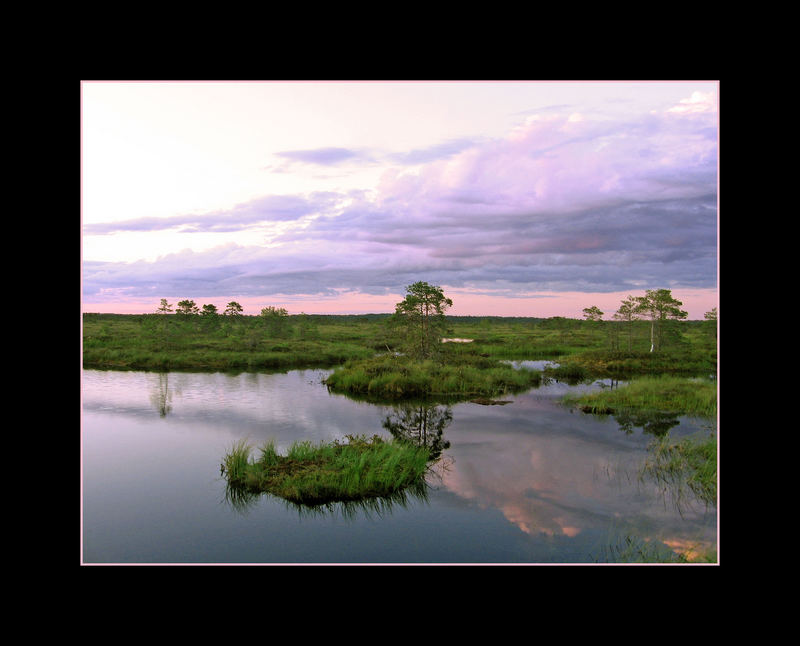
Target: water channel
527,482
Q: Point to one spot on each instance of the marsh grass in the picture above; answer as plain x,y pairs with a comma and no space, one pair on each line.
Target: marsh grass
320,474
681,468
680,395
222,343
454,374
617,363
633,549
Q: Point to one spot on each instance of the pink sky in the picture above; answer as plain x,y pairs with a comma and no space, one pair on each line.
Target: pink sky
543,305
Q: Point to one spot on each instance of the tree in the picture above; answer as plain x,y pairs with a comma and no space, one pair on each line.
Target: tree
276,320
209,310
592,313
165,308
659,306
711,320
233,309
271,311
421,313
627,312
187,307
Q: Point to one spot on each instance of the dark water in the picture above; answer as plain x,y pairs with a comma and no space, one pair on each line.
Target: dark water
526,482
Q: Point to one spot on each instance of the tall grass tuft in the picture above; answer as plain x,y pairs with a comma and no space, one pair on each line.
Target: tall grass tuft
236,461
689,465
317,474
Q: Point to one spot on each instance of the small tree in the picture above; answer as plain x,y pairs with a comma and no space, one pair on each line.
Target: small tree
165,308
711,321
421,313
627,313
187,307
276,320
592,313
659,306
209,310
233,309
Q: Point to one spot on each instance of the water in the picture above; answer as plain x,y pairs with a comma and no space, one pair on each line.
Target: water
526,482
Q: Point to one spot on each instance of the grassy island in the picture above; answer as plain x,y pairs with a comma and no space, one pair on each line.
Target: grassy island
455,375
681,396
320,474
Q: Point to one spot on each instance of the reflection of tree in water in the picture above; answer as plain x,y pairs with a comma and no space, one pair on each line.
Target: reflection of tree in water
652,422
243,500
161,396
422,424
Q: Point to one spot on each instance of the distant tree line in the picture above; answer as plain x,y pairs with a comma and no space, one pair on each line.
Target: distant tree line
657,306
272,322
419,320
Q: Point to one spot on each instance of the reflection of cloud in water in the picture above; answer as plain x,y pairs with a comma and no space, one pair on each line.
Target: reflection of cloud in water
553,472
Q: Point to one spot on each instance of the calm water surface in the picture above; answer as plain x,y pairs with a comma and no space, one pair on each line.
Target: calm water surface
526,482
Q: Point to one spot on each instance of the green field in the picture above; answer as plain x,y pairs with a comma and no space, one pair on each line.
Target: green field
247,343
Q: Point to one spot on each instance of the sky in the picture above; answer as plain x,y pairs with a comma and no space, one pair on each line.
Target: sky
523,198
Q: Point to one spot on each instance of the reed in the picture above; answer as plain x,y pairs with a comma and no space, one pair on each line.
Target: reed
687,465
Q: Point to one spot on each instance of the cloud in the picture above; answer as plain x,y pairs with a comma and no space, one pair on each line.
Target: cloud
270,208
322,156
560,204
698,102
441,150
334,156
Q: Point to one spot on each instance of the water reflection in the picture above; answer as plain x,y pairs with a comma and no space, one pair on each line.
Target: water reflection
161,395
422,424
683,475
652,423
243,500
544,483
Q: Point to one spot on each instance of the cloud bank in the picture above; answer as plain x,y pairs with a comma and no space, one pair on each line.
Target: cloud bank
564,202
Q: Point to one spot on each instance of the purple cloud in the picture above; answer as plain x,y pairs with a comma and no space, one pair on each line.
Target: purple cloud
561,204
322,156
271,208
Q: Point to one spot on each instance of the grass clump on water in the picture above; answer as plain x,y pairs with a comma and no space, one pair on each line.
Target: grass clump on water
317,474
400,377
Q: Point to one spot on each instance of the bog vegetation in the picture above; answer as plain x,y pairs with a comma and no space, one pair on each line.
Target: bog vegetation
667,361
320,474
650,342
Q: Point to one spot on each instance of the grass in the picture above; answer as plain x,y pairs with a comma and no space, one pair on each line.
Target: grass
319,474
689,465
680,395
156,342
621,364
633,549
455,374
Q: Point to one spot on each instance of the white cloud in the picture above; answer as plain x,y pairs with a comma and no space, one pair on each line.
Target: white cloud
698,102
